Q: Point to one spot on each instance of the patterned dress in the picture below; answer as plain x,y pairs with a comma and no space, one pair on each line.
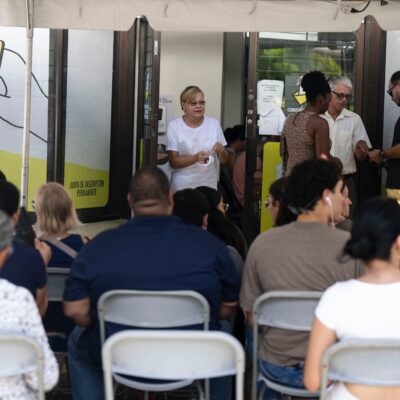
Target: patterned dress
19,315
296,144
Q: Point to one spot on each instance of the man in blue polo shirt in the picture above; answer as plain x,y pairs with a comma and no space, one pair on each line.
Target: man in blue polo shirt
153,251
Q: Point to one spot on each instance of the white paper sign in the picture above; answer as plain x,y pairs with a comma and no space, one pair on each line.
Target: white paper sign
271,123
166,104
269,94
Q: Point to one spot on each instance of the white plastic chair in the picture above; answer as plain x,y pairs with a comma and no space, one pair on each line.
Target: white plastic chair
151,310
173,355
20,354
292,311
373,362
56,278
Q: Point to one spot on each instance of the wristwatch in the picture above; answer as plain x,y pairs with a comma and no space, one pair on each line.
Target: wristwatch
382,153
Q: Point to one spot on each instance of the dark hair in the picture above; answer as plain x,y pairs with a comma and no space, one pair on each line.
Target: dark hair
307,182
2,176
376,226
314,84
278,190
213,196
191,206
395,77
236,133
240,131
219,225
9,198
149,183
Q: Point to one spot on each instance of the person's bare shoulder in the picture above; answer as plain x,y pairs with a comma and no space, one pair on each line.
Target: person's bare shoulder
317,121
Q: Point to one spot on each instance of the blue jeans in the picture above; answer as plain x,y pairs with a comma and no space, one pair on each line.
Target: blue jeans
290,376
221,388
87,377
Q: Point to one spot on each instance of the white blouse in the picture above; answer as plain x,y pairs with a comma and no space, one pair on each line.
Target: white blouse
19,315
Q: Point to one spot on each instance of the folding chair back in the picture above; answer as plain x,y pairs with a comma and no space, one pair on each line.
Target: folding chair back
374,362
152,309
56,278
173,355
20,354
285,310
56,324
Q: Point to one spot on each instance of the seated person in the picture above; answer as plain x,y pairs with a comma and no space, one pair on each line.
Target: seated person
363,308
192,207
56,216
26,266
314,192
153,251
219,225
19,315
277,203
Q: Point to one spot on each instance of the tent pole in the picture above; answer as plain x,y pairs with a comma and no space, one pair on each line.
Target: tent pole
27,106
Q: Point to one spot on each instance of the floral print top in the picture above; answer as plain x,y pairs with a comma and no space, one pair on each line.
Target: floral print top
19,315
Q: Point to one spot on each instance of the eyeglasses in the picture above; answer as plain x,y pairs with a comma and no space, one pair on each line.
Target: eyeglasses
341,96
200,103
390,91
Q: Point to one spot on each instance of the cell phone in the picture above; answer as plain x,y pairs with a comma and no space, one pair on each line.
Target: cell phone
24,232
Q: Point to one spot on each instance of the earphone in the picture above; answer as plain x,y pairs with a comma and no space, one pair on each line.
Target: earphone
328,200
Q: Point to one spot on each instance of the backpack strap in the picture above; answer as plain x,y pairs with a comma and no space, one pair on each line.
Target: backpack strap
60,245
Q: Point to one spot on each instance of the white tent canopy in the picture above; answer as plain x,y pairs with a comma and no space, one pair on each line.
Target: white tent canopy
203,15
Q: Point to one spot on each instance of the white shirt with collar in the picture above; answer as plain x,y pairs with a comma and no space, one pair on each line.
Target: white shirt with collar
344,133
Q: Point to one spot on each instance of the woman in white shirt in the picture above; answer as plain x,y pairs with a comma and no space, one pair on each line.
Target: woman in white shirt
195,144
364,308
19,315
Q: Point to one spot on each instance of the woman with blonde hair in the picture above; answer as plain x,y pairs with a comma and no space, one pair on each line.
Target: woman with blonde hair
195,144
56,216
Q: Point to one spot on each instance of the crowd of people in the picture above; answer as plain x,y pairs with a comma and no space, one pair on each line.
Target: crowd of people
181,238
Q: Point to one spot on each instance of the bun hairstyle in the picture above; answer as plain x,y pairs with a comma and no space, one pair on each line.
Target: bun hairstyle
376,227
314,84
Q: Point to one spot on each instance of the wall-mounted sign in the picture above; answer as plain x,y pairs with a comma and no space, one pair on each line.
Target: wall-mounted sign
269,103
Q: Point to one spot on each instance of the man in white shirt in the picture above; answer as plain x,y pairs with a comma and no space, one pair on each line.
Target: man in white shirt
346,130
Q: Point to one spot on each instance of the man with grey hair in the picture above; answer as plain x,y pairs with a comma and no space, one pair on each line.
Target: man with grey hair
346,131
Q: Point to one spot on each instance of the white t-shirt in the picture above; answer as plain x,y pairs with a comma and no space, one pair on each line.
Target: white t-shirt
189,141
345,131
360,310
